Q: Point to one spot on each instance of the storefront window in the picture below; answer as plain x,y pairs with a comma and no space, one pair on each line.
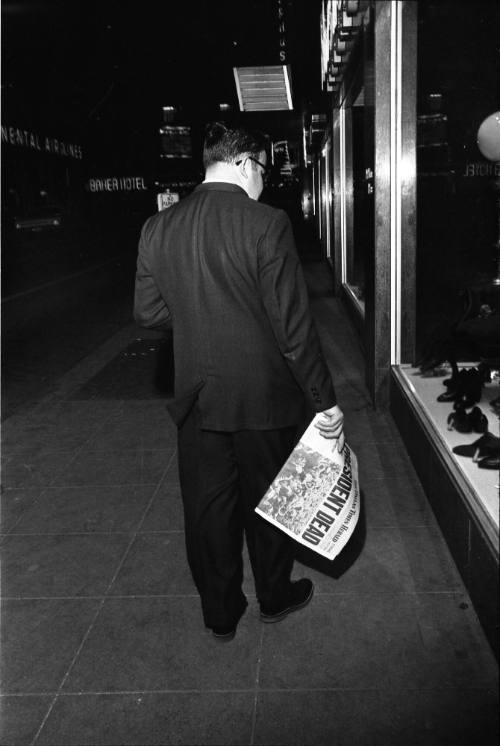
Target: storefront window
359,170
326,199
456,373
457,192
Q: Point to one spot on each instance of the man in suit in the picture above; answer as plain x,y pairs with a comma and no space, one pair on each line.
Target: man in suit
222,269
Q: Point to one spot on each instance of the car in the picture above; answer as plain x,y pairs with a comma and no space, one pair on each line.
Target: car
47,217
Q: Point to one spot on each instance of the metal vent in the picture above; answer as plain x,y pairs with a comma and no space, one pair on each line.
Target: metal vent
263,88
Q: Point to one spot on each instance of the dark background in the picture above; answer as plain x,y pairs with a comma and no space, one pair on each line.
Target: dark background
97,74
102,70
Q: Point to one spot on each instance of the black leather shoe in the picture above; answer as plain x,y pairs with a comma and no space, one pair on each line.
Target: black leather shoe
490,462
223,634
467,422
459,420
487,445
478,421
430,364
453,385
449,395
300,595
470,388
465,388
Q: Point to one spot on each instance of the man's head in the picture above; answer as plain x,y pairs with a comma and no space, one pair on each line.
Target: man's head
237,155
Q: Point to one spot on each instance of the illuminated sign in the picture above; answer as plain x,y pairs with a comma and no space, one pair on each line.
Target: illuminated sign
34,141
175,141
117,184
167,199
282,30
482,169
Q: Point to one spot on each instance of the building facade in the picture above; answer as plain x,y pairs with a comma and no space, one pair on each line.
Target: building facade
404,177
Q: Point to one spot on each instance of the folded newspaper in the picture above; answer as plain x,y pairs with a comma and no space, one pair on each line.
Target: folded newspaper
315,497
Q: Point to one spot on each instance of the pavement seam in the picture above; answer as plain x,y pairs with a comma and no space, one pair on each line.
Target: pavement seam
101,604
133,692
257,686
317,592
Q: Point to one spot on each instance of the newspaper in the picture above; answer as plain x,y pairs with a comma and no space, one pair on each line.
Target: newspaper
315,498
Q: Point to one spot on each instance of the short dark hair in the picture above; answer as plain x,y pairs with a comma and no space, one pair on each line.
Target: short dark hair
223,143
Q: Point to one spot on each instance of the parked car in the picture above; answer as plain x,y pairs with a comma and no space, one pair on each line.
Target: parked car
43,217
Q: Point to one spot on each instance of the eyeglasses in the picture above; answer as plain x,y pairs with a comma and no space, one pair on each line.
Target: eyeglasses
265,169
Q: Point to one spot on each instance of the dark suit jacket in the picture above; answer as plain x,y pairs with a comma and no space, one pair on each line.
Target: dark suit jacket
223,270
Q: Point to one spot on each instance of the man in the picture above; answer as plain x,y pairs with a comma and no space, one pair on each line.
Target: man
222,269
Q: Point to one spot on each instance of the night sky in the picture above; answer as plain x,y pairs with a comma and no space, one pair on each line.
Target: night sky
101,71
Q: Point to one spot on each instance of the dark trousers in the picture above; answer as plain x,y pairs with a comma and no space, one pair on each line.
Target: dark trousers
223,476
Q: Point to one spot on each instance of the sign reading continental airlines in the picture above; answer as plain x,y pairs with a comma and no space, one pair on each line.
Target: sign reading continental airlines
34,141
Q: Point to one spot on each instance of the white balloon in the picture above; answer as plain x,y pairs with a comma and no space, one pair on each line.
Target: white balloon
488,137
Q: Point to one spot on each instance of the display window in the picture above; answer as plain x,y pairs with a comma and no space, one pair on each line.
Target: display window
360,176
415,130
357,177
326,199
455,373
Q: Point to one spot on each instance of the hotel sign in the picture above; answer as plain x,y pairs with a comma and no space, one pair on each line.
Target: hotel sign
117,184
27,139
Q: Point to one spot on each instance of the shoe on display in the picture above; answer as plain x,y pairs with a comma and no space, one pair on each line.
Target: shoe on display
432,364
465,388
478,421
300,595
467,422
487,445
436,372
470,388
490,462
449,395
459,420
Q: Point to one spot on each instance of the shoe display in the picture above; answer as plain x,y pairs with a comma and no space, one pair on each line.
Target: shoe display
300,595
465,388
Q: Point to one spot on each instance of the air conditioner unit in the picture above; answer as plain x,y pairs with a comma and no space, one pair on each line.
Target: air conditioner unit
263,88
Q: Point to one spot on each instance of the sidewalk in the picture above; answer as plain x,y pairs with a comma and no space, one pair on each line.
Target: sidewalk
103,640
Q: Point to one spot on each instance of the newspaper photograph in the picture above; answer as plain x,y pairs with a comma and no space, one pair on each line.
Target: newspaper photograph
315,497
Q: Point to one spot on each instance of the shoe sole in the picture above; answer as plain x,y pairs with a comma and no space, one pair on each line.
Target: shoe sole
272,618
224,638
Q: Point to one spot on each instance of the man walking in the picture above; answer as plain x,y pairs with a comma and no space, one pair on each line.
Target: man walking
222,269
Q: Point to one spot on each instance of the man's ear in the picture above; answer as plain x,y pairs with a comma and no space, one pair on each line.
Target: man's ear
243,168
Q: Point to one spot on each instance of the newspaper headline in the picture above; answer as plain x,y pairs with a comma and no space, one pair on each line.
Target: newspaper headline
315,498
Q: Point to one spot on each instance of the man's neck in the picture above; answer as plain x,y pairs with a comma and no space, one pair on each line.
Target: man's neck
222,172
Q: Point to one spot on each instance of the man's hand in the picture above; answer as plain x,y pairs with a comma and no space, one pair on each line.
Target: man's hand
331,425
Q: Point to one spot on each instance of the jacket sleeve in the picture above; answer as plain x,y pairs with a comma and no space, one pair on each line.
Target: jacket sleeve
285,297
150,309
